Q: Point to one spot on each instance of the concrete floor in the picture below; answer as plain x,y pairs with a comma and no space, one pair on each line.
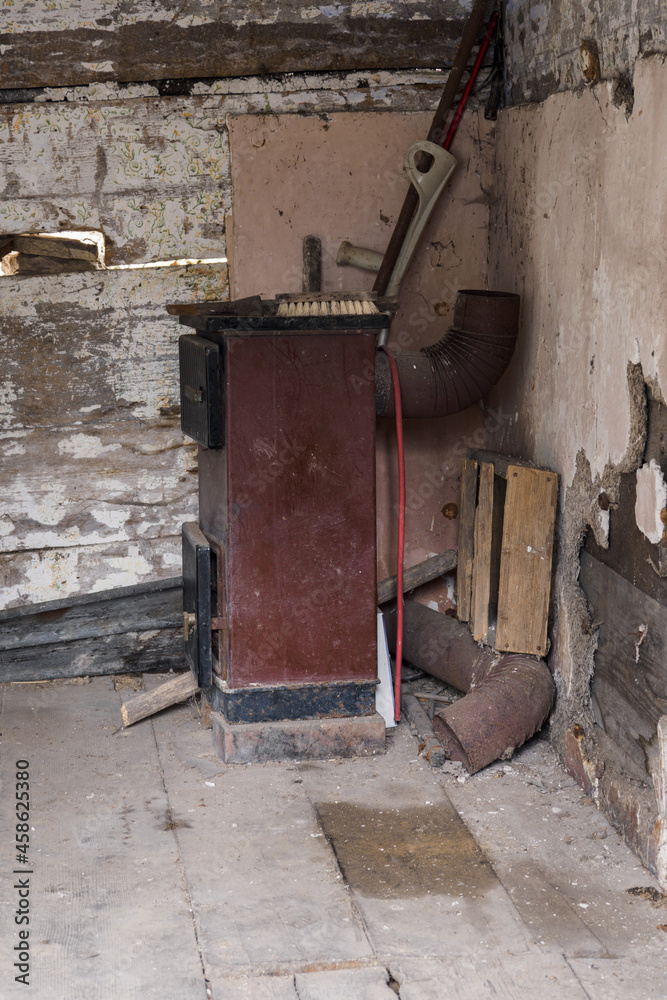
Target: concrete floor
159,872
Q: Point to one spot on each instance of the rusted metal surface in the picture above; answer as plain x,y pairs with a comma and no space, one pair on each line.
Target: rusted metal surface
233,39
508,697
292,498
462,367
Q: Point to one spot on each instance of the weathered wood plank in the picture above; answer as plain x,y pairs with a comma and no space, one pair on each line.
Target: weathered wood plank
44,574
31,264
126,652
97,347
629,552
200,40
111,482
142,607
466,544
105,857
481,574
417,575
525,566
629,686
118,631
172,692
54,246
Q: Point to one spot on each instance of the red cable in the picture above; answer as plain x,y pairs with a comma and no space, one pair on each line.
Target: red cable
398,409
471,82
401,532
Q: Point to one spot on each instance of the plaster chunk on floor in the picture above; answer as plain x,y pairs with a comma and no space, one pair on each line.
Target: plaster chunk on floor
651,501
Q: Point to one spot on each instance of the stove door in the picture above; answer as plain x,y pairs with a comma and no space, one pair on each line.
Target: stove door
197,602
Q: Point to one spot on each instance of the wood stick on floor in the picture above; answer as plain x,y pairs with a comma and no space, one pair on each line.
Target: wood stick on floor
432,749
172,692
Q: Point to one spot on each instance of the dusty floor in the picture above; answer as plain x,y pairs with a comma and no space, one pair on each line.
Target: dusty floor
156,871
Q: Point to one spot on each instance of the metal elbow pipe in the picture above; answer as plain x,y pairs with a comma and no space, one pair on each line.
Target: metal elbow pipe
508,697
459,369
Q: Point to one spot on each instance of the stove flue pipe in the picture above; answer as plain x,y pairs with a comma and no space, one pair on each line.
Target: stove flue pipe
508,696
461,368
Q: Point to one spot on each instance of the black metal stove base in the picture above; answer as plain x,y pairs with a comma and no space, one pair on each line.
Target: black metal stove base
292,701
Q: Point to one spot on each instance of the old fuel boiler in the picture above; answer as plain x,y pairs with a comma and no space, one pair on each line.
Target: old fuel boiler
279,574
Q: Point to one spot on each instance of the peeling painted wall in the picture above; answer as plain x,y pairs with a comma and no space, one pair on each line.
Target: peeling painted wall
96,476
578,227
543,42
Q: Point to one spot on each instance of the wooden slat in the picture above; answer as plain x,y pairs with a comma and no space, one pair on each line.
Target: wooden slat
417,575
172,692
111,482
157,604
224,40
56,246
29,265
525,567
466,544
42,575
130,629
630,694
127,652
481,577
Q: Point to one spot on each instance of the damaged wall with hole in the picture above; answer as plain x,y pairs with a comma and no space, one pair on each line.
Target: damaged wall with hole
578,228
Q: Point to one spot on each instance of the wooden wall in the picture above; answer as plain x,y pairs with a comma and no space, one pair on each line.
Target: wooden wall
95,476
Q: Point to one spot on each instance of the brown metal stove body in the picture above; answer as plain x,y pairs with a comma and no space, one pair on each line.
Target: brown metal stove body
288,507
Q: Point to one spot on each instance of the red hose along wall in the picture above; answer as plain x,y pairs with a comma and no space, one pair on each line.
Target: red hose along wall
508,697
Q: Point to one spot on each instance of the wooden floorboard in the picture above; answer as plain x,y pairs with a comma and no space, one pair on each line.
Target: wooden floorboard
110,912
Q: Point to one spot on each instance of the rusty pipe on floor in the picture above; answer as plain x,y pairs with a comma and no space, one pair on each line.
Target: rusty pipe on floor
507,696
459,369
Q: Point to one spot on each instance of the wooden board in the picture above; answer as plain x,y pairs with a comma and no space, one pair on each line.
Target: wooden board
132,629
113,906
630,694
525,566
481,577
110,482
158,42
46,246
172,692
417,575
466,539
38,575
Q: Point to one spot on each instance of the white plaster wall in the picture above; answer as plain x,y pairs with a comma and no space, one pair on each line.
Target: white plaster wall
579,229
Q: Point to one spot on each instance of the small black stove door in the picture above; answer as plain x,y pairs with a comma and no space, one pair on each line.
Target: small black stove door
197,602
